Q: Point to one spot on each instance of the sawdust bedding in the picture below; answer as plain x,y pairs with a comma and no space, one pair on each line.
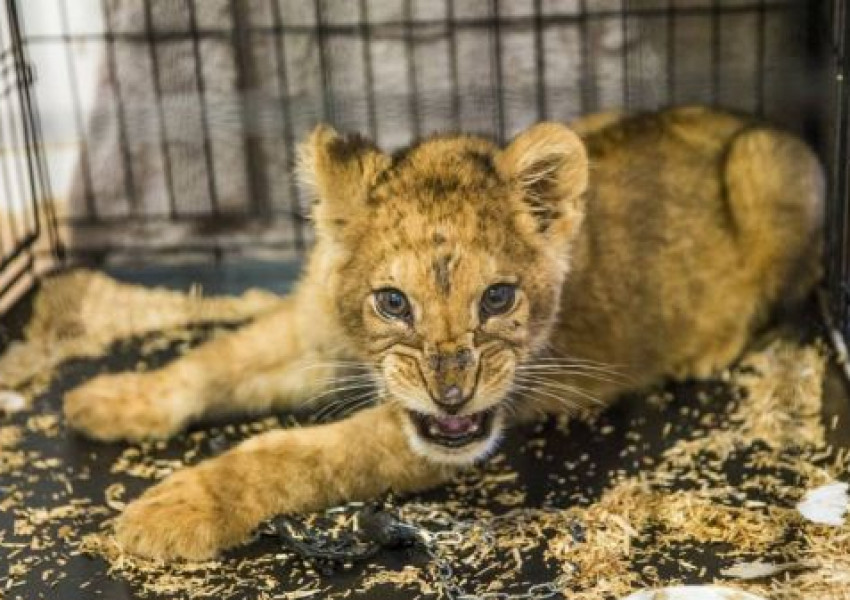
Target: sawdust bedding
712,499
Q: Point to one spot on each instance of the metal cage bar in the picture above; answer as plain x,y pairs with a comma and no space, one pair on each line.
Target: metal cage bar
29,242
307,80
838,205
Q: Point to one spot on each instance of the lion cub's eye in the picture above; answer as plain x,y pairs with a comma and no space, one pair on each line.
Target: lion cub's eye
392,304
498,299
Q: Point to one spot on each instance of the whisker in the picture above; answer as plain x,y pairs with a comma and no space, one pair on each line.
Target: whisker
535,401
555,366
576,370
568,363
572,359
338,412
572,363
336,390
510,407
570,373
565,401
332,369
551,376
564,387
347,405
320,364
344,373
352,378
574,391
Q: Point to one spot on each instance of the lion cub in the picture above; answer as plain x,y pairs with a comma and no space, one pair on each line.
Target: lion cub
474,285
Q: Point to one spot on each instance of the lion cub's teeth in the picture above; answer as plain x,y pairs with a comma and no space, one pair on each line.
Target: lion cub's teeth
474,427
433,429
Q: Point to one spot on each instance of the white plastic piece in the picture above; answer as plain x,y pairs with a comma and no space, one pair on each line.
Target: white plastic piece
759,569
693,592
827,504
11,402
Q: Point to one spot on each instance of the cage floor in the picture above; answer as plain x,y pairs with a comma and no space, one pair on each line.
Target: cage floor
68,487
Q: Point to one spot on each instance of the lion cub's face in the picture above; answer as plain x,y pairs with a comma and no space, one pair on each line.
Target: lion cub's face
447,261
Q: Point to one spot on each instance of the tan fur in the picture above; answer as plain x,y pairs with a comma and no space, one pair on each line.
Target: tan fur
695,225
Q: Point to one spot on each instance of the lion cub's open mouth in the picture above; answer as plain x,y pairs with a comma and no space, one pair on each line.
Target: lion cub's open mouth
454,431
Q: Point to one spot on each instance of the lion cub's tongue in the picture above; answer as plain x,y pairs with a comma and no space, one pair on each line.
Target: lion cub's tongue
456,425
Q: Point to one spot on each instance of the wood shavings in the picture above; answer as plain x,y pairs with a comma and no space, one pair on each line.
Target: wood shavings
113,496
141,461
10,435
47,424
408,576
783,395
781,405
151,574
690,516
10,458
489,528
74,316
611,526
299,594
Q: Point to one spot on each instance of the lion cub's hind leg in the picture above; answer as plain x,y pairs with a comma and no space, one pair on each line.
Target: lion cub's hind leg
130,406
267,364
773,194
775,188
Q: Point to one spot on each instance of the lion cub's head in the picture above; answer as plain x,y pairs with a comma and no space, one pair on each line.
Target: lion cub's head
446,263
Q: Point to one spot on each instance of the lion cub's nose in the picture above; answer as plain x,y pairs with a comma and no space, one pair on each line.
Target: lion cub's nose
442,362
451,399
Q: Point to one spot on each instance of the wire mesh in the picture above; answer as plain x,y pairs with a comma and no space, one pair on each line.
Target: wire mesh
26,218
838,216
170,126
188,141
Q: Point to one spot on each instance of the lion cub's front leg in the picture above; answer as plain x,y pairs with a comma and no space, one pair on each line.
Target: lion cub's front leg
199,511
270,363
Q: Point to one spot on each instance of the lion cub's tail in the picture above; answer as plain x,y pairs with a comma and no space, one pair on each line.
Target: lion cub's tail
775,187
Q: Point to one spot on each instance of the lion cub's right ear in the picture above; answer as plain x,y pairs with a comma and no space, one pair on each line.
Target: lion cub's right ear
338,171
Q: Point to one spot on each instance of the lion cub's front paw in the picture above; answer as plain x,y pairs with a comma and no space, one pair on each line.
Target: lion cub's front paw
129,406
178,518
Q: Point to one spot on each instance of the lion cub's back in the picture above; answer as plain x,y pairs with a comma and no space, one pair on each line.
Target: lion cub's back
698,223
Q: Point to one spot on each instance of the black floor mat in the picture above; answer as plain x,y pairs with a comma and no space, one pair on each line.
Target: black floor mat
68,486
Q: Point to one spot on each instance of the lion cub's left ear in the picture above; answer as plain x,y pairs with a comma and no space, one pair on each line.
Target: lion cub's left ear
548,163
338,172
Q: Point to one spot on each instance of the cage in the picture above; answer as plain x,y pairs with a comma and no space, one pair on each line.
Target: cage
156,138
169,128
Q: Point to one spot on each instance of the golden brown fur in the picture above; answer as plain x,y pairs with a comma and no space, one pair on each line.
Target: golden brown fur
694,226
